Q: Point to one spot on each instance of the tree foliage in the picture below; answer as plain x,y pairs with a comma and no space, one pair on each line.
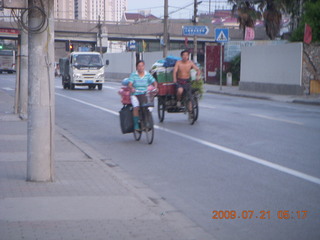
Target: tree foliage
311,16
248,11
272,16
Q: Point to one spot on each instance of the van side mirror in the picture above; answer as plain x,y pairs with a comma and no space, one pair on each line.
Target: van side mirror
107,62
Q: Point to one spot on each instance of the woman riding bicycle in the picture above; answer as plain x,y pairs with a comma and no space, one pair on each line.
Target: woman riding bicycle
138,83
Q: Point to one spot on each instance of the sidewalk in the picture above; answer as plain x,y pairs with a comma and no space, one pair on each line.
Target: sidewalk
91,197
234,91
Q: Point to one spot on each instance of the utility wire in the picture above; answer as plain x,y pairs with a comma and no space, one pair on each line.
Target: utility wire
21,17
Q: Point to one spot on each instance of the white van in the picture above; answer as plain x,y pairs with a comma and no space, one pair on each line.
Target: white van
82,69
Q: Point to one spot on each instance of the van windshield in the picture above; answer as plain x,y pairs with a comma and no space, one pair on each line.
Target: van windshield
87,60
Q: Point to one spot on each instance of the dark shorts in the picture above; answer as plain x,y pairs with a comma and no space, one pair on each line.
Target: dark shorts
183,83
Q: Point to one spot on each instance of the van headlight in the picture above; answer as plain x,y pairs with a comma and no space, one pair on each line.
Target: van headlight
101,75
76,75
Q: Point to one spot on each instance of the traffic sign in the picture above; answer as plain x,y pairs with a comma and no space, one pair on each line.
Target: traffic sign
132,45
222,35
195,30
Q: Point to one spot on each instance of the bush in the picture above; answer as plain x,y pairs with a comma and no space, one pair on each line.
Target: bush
311,16
199,86
235,69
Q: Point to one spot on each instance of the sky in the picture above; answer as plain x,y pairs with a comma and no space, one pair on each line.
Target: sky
156,7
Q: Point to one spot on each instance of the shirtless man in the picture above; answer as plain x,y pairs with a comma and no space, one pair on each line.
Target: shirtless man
181,74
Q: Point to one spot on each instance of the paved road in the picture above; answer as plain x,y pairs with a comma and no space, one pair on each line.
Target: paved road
253,158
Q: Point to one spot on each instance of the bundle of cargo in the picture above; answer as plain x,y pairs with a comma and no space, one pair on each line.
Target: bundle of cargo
125,95
125,92
162,70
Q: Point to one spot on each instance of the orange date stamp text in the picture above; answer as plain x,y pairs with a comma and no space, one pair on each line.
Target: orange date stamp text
260,214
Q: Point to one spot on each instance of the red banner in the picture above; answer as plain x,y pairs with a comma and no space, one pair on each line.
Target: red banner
307,34
249,34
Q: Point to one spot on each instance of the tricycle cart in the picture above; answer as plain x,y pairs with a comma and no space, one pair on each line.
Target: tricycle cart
167,101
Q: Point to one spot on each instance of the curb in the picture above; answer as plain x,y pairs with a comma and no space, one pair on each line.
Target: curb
315,103
296,101
239,95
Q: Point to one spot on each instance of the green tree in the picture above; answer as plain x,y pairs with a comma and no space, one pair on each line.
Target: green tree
311,16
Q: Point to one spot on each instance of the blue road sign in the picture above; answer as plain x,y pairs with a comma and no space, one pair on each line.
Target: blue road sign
222,34
132,45
195,30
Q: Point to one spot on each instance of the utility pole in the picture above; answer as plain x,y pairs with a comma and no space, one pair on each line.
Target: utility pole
195,43
100,35
23,75
41,110
165,29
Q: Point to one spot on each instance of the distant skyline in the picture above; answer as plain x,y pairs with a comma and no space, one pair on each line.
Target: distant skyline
156,7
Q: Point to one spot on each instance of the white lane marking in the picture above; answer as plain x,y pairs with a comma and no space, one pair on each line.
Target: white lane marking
218,147
247,157
276,119
89,104
8,89
109,87
207,106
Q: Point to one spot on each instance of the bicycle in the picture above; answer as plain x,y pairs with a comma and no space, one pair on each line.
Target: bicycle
145,117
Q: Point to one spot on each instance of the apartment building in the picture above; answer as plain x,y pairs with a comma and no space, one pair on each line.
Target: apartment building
108,10
64,9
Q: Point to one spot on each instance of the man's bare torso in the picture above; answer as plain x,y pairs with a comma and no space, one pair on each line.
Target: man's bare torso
184,69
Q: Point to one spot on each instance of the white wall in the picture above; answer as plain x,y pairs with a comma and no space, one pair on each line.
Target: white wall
267,67
122,64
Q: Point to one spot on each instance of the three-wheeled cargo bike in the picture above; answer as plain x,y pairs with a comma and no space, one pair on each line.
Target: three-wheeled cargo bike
167,99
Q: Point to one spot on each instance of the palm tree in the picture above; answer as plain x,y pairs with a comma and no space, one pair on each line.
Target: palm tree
248,11
245,12
272,16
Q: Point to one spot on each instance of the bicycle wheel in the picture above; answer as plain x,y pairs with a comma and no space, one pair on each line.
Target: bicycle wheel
161,108
148,128
195,108
190,109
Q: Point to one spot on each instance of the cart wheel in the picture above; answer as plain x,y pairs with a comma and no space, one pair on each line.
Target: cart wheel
161,108
149,129
190,109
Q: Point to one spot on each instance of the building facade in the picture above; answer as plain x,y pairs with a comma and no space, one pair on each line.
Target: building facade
64,9
107,10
